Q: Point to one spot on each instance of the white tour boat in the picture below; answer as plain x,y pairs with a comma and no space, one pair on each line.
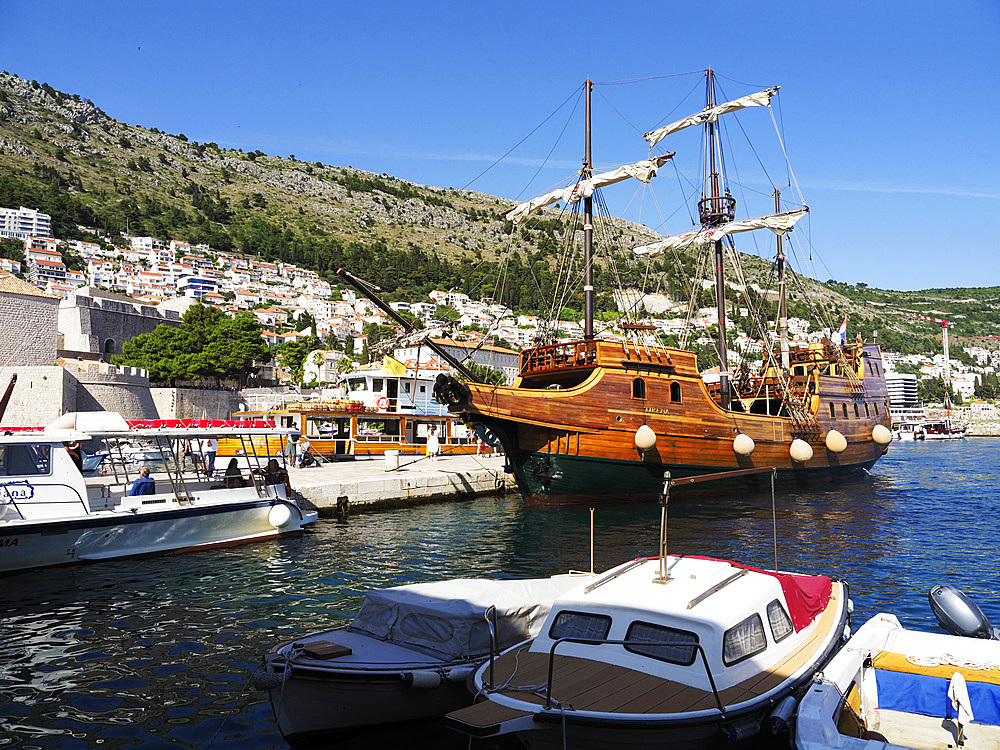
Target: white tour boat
406,656
673,651
907,431
51,513
901,689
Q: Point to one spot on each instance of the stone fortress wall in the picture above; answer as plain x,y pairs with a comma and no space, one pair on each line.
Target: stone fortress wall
27,328
99,322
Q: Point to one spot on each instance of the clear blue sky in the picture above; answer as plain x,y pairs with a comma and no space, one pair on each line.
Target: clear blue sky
888,109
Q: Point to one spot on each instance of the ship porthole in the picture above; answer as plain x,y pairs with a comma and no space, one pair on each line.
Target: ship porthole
618,418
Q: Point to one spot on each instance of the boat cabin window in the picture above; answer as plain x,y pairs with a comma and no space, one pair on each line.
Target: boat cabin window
875,405
406,387
638,388
780,622
867,413
20,460
857,412
799,370
319,427
378,385
580,625
843,408
833,410
427,627
663,643
378,427
358,384
743,641
675,392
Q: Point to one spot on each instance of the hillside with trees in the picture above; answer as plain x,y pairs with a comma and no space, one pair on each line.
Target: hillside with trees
62,155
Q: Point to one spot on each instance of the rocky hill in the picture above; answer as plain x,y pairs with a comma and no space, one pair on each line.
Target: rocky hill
61,154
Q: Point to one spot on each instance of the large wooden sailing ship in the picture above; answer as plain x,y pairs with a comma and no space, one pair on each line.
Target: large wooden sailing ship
595,420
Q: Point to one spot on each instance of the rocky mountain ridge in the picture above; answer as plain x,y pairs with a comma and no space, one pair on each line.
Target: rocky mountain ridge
63,155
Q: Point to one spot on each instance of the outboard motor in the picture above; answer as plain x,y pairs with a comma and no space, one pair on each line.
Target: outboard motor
959,615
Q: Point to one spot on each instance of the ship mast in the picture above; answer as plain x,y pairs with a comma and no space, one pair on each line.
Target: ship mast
782,306
588,228
713,210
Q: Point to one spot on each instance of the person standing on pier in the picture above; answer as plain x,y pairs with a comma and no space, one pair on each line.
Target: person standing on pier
433,444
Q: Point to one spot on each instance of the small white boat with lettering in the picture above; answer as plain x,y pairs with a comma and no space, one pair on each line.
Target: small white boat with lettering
52,512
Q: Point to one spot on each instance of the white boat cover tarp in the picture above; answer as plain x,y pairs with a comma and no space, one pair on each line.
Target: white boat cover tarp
777,223
447,618
644,170
711,114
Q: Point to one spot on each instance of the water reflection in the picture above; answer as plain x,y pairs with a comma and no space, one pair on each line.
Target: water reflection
157,651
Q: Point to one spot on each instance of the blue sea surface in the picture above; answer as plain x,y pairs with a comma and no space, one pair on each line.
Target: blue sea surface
156,652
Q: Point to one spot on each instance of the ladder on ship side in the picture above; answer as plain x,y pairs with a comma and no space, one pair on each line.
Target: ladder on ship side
797,407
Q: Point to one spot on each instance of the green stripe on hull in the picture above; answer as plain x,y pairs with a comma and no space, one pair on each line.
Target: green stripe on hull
559,478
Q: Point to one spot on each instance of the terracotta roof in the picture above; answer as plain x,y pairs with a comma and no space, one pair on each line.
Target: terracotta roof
13,285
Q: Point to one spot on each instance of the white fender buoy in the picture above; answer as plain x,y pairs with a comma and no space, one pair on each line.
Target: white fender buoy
459,674
800,450
836,442
645,438
743,444
423,679
881,434
279,516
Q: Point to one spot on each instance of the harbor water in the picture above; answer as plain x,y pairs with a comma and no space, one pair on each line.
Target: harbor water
157,652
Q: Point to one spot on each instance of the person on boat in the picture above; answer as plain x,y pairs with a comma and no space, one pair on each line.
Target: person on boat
274,474
233,476
144,484
293,450
433,444
209,447
75,452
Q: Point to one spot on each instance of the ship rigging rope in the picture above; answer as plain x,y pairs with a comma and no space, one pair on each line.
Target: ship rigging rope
578,92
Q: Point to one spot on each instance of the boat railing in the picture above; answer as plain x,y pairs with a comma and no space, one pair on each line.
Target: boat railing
12,501
491,624
609,642
559,357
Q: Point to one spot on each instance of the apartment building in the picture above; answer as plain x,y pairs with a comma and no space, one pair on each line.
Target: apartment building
23,223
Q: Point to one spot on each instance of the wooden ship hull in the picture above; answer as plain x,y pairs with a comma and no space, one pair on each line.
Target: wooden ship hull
572,424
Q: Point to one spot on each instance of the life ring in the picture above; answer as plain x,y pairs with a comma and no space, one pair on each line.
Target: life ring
382,403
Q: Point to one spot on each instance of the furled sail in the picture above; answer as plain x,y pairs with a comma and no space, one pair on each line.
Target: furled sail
644,170
711,114
777,223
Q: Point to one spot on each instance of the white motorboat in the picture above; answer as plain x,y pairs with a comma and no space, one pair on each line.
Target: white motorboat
674,651
907,430
407,655
895,688
51,513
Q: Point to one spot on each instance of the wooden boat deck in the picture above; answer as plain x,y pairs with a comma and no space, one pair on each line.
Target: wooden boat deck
587,685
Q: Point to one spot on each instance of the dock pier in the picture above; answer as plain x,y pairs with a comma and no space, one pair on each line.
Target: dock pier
365,484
